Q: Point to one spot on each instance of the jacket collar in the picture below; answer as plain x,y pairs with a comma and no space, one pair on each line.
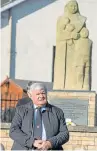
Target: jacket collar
30,105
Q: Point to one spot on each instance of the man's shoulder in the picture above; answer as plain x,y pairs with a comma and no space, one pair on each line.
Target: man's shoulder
23,102
23,106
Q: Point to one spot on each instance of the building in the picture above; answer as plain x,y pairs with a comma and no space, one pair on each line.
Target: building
10,93
28,36
28,33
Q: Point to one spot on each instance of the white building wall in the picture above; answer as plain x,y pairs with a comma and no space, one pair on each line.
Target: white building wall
5,44
34,23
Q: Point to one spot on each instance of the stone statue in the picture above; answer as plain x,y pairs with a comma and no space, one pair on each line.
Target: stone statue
69,39
82,62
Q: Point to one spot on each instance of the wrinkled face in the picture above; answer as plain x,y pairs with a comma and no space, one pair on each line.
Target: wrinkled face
72,7
39,97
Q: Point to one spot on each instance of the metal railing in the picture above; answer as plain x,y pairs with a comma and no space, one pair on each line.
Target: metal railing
8,107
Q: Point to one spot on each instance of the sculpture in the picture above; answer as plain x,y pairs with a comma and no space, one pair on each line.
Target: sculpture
69,41
82,65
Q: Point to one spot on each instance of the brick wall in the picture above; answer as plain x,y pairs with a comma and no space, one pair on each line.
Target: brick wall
81,138
81,141
5,140
96,110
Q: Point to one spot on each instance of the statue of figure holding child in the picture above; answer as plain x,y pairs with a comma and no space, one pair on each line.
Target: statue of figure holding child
73,51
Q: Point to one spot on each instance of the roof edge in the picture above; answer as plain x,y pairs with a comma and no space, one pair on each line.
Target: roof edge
3,82
12,4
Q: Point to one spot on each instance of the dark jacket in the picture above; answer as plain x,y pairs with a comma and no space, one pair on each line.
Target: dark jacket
21,130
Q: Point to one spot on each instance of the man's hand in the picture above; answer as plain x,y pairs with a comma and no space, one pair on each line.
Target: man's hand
45,145
37,143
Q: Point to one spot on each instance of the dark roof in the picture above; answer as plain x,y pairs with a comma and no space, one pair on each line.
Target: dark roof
8,81
6,2
23,83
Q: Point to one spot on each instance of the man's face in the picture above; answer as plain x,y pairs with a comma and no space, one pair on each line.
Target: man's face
39,97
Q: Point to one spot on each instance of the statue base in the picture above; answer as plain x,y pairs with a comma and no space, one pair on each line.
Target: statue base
78,106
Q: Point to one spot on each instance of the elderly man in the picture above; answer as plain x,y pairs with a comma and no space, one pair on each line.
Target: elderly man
37,125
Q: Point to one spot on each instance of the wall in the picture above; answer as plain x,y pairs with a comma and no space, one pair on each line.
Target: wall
5,44
81,96
34,35
81,138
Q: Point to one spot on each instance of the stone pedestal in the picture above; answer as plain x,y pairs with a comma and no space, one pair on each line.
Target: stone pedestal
80,96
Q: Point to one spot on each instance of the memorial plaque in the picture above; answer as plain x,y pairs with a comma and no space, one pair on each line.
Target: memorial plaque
74,109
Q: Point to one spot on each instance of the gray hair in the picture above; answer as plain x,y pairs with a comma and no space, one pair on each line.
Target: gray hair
36,86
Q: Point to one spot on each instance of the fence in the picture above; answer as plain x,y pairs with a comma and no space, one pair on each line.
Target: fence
8,106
